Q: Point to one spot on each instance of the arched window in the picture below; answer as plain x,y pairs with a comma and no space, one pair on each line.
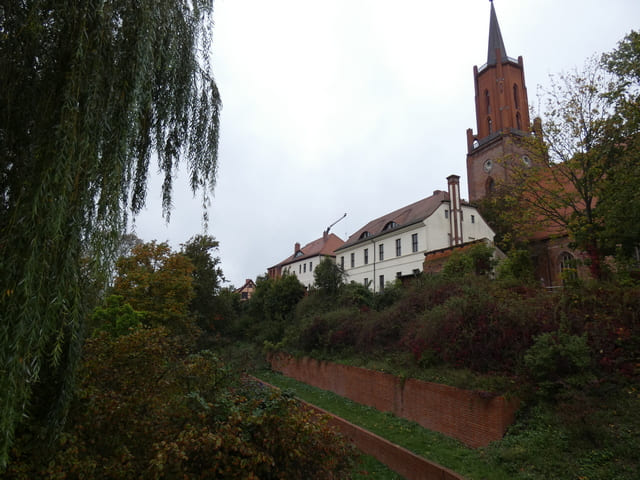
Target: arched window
490,186
516,99
487,99
490,125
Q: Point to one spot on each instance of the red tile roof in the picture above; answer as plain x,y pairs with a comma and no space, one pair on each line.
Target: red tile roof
321,246
414,213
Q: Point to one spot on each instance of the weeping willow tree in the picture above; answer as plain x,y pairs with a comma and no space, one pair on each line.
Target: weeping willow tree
90,92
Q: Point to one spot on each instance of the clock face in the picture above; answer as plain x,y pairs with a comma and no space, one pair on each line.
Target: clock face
526,160
488,165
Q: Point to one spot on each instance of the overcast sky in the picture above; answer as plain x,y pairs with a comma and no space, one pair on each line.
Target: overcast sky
357,107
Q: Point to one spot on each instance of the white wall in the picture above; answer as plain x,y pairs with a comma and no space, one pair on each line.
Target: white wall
303,269
433,234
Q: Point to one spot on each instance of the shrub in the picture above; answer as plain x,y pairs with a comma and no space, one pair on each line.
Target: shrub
116,317
357,295
558,361
516,269
148,408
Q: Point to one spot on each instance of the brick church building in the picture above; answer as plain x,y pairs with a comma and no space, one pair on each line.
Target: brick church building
503,124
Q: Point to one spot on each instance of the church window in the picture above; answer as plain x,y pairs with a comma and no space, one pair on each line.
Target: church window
567,267
518,121
516,100
487,100
490,185
490,125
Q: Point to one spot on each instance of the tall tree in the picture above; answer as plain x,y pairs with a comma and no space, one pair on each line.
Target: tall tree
156,281
574,154
328,277
620,202
207,274
88,91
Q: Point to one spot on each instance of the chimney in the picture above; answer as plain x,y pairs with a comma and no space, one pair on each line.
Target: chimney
455,218
296,248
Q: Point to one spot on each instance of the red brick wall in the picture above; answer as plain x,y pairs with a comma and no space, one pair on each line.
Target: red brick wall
474,418
398,459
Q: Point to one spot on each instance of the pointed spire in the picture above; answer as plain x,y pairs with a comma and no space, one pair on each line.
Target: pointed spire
495,39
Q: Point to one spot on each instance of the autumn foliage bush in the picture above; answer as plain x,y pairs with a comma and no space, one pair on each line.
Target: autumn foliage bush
149,407
471,321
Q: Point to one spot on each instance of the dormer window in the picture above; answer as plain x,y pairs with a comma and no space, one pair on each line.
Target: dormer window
389,226
298,254
364,234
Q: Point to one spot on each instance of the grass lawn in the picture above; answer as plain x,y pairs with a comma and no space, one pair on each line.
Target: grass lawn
581,437
436,447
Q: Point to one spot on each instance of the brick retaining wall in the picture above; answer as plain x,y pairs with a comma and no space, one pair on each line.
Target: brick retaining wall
474,418
398,459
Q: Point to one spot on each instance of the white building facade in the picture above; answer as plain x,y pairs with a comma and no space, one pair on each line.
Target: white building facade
305,259
393,246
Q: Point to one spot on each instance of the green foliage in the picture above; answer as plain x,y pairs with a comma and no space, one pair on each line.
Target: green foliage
458,265
328,277
148,408
158,282
226,308
586,173
276,298
116,317
356,294
207,275
272,306
516,268
620,202
89,91
558,361
477,259
391,293
472,322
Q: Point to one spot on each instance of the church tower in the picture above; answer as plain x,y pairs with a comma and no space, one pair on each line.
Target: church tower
502,116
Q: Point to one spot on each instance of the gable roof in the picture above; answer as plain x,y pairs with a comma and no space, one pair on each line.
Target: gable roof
247,284
325,245
403,217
